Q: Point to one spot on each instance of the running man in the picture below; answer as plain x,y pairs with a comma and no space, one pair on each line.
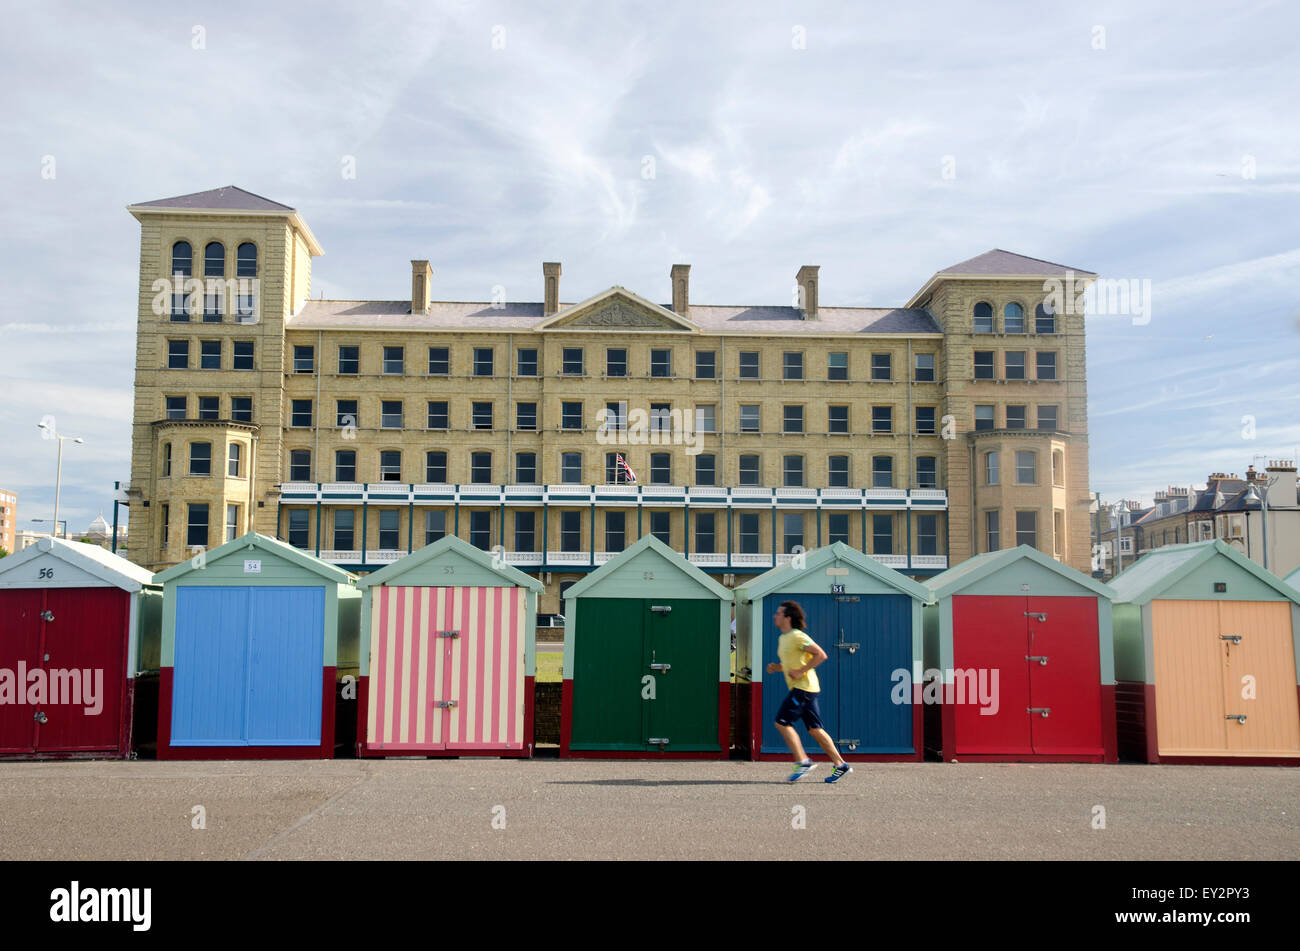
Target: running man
799,654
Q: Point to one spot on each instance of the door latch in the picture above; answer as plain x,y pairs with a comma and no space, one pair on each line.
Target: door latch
1239,717
1041,658
852,648
661,666
851,744
1235,638
1042,711
449,633
1037,615
41,717
661,608
47,615
659,741
446,703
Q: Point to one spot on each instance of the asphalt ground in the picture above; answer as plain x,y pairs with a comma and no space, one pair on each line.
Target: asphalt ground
576,809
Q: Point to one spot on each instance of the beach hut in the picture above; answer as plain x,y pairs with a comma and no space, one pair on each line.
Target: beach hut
647,648
1022,646
868,619
252,632
1206,643
74,619
448,638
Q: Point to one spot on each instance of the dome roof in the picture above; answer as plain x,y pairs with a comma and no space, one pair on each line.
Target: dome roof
99,526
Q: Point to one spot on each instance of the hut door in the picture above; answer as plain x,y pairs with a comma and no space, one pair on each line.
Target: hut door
83,647
484,670
681,652
1189,677
1260,704
20,639
1064,676
990,635
881,627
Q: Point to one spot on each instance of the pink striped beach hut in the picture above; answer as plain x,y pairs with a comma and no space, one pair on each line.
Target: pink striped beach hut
448,648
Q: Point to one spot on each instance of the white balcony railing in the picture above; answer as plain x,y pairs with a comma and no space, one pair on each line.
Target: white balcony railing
751,491
568,558
384,555
709,560
753,560
518,558
341,488
892,561
929,561
340,557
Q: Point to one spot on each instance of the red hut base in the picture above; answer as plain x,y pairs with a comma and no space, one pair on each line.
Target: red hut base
947,747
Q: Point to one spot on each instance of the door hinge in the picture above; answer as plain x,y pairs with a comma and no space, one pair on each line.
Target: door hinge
1042,659
1042,711
1037,615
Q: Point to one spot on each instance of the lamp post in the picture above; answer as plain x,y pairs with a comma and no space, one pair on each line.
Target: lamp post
1119,536
56,526
1254,495
58,478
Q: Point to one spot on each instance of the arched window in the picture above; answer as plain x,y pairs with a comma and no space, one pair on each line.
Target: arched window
1013,319
182,258
246,260
1044,319
983,318
214,259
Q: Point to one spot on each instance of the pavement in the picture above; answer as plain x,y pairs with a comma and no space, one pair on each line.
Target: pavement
601,809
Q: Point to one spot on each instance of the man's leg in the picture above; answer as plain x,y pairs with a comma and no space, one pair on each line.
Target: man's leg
826,743
792,740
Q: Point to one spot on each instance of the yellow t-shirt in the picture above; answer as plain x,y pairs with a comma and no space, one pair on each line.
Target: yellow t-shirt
792,650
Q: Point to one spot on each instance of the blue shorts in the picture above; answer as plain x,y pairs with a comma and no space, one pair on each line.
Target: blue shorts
800,705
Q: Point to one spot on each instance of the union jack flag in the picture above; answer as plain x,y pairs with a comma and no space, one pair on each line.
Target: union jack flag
624,469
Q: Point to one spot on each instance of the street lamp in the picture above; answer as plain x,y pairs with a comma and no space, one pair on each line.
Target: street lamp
56,525
1118,509
58,479
1252,495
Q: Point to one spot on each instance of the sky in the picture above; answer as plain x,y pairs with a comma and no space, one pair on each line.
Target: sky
1146,143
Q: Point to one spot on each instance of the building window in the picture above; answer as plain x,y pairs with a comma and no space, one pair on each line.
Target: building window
571,468
882,472
991,468
837,528
196,528
1013,319
661,363
882,534
1026,467
837,419
299,465
167,460
1058,468
304,359
1044,319
182,260
991,542
705,469
926,472
1058,533
1014,364
440,361
572,361
209,354
232,464
390,465
615,531
246,260
349,361
1027,529
176,408
346,415
480,530
209,407
483,361
571,416
178,354
435,466
882,419
749,364
345,465
300,412
792,469
661,417
749,418
706,419
200,458
706,365
390,414
232,522
525,531
983,318
1046,368
616,416
749,469
837,366
881,367
983,417
1015,416
214,305
570,531
612,474
924,372
792,365
838,471
435,525
394,360
526,362
661,469
388,531
482,415
165,517
480,468
526,417
438,414
983,364
525,468
345,521
748,533
615,361
792,419
925,421
1047,418
704,533
661,526
241,355
791,531
927,534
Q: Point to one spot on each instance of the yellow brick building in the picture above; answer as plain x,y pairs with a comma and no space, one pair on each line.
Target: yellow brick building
361,430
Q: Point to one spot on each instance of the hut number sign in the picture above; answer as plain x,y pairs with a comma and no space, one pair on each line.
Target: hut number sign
252,566
837,588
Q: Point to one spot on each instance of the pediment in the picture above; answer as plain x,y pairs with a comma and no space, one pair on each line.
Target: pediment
617,309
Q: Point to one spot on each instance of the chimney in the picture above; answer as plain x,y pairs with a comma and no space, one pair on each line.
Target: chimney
681,275
551,287
421,287
807,280
1282,490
